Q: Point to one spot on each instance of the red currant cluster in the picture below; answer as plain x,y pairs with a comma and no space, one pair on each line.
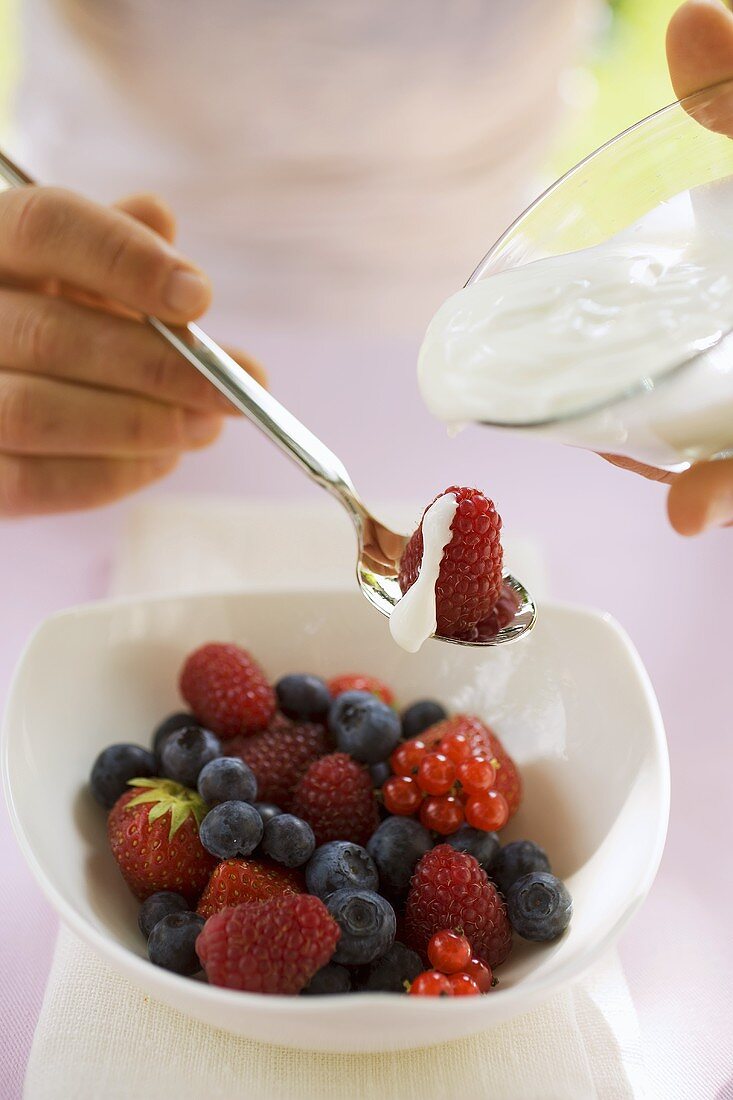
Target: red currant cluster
457,973
447,786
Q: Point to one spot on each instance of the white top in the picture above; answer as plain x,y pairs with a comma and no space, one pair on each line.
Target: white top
333,163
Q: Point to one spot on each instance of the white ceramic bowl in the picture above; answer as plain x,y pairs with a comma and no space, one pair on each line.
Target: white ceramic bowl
572,703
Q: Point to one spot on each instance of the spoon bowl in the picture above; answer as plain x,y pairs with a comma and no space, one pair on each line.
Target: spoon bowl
377,567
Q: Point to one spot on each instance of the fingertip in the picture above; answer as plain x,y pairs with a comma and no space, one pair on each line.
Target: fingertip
201,429
151,210
186,294
702,498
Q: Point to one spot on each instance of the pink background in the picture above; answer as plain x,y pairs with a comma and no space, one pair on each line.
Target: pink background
607,544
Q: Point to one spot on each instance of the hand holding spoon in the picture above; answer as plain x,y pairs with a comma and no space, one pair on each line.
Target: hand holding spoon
379,548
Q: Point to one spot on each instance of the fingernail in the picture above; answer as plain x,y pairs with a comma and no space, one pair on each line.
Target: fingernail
186,291
200,427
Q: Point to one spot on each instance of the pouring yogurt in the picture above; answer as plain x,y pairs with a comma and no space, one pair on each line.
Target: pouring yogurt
588,347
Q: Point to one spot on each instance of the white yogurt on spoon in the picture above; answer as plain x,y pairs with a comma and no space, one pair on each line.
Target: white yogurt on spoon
414,617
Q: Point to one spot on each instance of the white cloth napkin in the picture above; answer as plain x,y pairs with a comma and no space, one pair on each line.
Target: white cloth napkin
100,1038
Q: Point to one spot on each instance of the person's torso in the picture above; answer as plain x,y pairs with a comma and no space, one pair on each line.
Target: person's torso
338,164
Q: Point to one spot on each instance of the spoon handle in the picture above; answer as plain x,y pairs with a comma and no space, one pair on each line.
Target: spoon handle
244,393
262,409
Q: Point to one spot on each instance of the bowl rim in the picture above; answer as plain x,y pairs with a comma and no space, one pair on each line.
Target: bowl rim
171,986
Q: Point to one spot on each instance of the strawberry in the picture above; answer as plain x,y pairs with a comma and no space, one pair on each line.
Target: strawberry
450,890
279,756
470,577
153,831
355,681
483,742
236,881
273,946
336,798
227,690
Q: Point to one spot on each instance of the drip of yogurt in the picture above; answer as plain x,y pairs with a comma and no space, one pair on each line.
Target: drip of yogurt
567,332
414,617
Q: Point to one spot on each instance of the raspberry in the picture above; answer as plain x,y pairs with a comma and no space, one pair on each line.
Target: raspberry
431,983
470,577
336,798
273,946
442,815
401,795
436,773
245,880
487,811
227,690
450,890
355,681
483,742
280,755
449,951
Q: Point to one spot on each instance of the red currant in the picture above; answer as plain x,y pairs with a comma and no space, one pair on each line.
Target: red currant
480,973
442,815
436,773
401,795
406,757
487,811
431,983
476,774
463,985
449,951
455,746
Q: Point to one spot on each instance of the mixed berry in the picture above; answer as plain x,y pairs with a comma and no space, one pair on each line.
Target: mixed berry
306,837
472,603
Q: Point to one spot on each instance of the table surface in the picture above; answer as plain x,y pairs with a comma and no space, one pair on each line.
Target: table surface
606,543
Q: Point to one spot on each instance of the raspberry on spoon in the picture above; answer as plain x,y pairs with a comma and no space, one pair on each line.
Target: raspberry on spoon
470,577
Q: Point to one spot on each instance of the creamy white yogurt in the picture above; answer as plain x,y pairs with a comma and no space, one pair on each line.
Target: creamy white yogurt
566,332
414,619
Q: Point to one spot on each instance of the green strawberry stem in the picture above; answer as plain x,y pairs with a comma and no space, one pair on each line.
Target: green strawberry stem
165,796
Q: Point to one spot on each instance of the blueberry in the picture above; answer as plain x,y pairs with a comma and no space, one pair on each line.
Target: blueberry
389,973
483,846
331,978
420,716
367,922
539,906
380,773
168,726
303,696
231,829
364,727
185,752
158,906
227,779
266,810
516,860
114,767
340,864
288,840
395,847
172,943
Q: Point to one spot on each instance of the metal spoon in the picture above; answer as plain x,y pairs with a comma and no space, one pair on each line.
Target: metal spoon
379,548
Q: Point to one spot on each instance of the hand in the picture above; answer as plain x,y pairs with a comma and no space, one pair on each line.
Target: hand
93,403
699,53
